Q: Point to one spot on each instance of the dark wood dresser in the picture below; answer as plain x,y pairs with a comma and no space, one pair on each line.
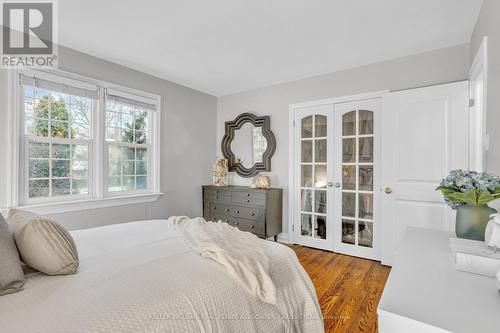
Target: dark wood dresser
254,210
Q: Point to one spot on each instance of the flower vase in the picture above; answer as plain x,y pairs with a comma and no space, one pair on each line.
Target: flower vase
472,220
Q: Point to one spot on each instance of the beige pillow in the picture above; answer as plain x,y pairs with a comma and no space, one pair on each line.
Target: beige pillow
43,244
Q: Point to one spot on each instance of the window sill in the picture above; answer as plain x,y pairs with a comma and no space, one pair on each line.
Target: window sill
84,204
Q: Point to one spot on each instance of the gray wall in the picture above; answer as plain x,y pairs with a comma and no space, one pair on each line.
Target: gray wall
188,136
439,66
488,24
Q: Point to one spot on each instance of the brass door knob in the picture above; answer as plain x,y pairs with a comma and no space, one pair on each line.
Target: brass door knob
388,190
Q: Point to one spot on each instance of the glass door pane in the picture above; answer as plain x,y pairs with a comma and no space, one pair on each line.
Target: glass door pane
357,178
314,176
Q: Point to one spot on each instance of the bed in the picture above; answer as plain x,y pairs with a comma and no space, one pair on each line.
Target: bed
141,277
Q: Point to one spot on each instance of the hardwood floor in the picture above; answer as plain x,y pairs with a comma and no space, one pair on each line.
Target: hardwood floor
348,288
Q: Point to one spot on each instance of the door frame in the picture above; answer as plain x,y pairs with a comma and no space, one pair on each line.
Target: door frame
293,108
478,80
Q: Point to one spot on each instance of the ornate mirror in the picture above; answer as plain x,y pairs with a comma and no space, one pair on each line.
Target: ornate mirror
248,144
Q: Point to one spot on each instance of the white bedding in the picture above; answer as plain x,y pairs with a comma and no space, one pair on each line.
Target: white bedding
242,254
140,277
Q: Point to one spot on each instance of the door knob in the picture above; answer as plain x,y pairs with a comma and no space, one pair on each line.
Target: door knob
337,185
329,184
388,190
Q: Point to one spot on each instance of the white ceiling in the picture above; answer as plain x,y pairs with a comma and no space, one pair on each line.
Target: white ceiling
227,46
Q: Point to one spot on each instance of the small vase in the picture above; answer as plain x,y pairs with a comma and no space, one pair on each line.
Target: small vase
472,220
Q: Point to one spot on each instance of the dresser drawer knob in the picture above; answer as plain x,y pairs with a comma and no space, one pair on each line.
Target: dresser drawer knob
216,197
217,191
227,209
214,208
235,223
252,214
237,212
252,226
227,221
248,194
248,200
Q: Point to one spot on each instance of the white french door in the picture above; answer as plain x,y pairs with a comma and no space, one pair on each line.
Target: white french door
360,177
356,209
335,205
313,173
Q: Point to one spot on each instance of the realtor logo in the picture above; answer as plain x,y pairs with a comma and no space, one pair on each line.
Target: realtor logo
28,36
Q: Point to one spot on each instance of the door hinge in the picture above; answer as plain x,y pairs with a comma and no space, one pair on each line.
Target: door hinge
472,102
293,227
294,123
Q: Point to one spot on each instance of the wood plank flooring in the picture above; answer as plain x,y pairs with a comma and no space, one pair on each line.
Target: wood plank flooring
348,288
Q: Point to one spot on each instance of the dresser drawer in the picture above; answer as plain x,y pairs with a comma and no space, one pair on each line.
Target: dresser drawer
223,218
218,197
255,201
219,209
249,194
248,213
254,227
212,191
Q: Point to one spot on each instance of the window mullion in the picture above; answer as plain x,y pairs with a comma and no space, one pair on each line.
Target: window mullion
98,147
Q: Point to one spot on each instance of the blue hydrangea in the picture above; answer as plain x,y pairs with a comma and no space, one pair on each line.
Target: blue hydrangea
465,180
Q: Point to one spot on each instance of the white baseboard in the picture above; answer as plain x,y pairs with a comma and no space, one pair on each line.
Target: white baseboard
283,238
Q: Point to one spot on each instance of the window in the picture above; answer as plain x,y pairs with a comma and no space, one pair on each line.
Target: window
83,140
128,142
57,128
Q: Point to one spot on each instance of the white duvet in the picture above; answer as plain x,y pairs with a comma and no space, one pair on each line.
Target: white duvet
140,277
242,254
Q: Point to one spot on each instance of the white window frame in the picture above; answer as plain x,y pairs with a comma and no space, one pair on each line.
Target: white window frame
152,133
98,197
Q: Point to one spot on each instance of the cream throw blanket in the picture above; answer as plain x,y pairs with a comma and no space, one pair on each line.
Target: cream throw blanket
239,252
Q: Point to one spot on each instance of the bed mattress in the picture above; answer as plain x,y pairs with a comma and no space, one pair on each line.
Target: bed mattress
140,277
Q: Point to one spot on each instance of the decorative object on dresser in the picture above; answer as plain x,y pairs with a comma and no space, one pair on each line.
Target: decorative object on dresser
255,210
474,257
492,233
261,182
477,256
248,144
469,192
221,174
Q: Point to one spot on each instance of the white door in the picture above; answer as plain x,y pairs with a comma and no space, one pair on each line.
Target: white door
424,136
356,160
313,172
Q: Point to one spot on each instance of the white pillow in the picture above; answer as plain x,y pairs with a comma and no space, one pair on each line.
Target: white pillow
43,244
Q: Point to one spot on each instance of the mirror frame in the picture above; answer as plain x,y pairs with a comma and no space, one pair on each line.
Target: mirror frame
231,127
